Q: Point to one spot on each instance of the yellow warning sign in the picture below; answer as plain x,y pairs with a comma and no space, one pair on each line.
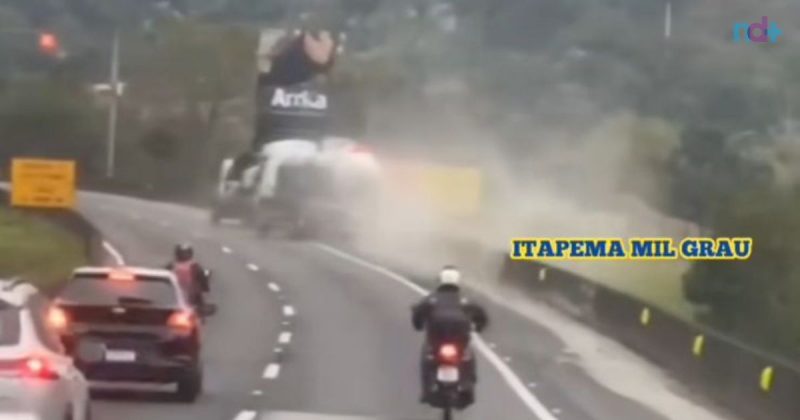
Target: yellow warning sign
450,190
43,183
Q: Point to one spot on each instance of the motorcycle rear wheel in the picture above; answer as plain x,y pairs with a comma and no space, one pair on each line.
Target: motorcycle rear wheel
447,413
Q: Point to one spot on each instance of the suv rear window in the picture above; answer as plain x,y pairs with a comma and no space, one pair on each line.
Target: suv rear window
9,324
100,291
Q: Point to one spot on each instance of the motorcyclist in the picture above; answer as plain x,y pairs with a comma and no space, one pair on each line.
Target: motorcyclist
447,317
192,277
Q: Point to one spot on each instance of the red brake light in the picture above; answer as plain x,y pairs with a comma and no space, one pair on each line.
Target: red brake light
48,43
358,149
121,275
183,320
57,318
449,353
36,367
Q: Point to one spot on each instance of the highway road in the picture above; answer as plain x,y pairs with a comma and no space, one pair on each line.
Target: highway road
307,331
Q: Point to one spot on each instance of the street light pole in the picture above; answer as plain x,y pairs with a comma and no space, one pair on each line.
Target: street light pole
113,109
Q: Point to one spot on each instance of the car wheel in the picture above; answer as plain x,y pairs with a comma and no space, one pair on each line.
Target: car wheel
190,385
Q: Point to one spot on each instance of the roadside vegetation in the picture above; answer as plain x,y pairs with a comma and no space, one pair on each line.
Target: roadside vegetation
587,96
37,251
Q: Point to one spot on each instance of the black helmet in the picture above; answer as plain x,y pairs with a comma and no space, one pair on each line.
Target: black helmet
184,252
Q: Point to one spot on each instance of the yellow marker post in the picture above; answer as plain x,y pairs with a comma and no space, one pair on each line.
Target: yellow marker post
542,274
43,183
644,318
698,345
767,376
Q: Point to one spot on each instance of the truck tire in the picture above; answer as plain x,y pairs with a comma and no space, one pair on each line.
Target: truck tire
216,217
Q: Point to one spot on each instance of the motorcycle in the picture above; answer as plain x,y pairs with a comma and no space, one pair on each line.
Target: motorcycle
452,389
204,309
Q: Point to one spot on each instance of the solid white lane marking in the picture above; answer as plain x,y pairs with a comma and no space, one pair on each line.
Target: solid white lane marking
514,382
274,287
288,310
272,371
226,250
246,415
252,267
116,255
285,337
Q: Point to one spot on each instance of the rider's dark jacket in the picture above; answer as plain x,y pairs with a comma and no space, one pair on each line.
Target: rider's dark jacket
446,315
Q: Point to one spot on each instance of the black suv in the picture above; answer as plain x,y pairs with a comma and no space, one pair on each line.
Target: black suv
129,324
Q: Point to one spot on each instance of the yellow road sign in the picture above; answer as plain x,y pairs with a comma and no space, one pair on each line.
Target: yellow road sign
450,190
43,183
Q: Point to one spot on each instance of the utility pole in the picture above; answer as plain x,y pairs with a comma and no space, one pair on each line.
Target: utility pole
113,109
668,20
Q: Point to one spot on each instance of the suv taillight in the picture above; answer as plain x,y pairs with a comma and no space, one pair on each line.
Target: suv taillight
183,321
38,367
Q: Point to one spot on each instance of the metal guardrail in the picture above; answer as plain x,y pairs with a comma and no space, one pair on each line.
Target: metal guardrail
750,382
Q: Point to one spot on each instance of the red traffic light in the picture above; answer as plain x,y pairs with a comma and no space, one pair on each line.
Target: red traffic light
48,43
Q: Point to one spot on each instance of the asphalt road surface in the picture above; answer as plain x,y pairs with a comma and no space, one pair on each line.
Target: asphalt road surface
305,331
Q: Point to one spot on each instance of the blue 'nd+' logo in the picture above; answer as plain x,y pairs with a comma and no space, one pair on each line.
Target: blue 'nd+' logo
759,32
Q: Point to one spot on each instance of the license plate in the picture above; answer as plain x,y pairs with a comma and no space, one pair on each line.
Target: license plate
447,374
120,356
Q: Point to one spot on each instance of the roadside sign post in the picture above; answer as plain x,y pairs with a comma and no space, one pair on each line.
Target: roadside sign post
43,183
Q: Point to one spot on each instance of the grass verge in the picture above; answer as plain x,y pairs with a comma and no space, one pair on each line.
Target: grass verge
43,253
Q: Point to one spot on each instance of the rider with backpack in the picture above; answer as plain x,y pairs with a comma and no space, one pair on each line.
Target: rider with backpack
191,275
447,317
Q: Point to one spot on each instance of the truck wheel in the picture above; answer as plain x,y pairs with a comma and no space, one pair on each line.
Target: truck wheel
262,230
215,216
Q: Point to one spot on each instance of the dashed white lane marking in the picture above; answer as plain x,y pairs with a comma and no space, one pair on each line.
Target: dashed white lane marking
272,371
257,392
514,382
226,250
285,337
288,310
252,267
114,253
246,415
274,287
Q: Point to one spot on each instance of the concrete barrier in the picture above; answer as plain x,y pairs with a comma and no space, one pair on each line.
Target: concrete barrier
754,383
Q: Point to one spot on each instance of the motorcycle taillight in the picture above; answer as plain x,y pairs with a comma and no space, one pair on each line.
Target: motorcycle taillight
449,353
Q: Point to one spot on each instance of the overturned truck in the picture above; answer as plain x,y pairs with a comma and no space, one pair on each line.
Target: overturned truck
298,176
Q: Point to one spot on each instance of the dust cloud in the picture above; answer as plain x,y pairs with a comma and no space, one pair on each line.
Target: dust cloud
553,179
